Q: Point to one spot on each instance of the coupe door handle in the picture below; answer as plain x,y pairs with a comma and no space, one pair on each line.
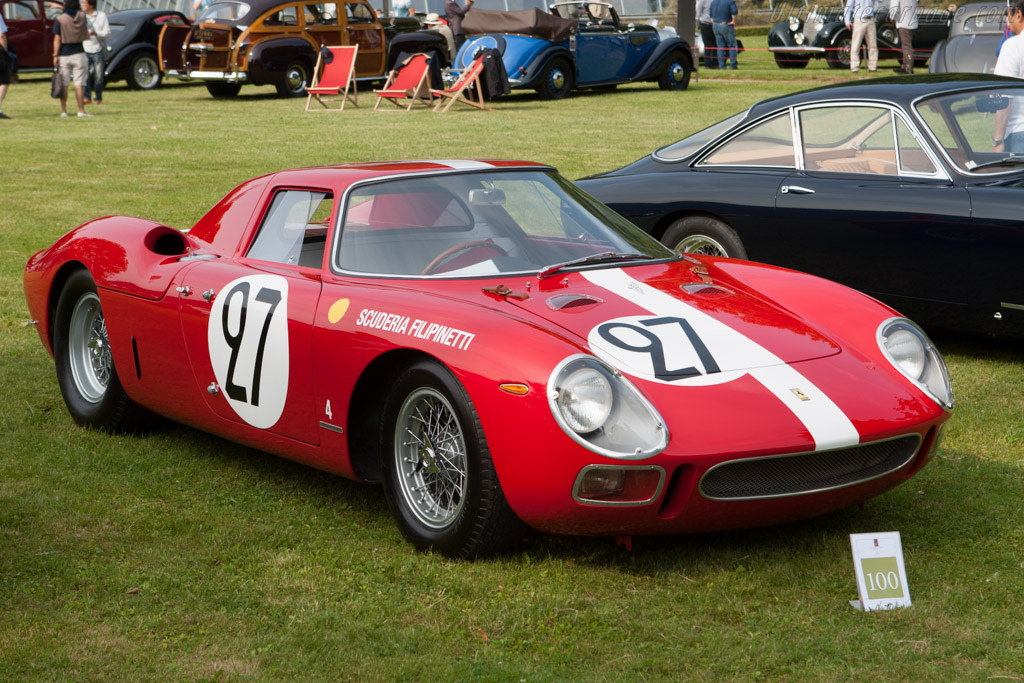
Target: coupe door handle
795,189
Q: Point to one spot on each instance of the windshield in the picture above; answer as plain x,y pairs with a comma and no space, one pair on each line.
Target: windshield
481,224
583,11
229,11
966,123
687,146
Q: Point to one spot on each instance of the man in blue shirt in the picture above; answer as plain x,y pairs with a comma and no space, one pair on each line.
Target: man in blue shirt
723,13
860,19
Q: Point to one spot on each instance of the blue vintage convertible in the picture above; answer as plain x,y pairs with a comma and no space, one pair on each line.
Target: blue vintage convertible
576,45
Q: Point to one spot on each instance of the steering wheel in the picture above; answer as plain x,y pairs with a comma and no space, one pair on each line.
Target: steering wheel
462,246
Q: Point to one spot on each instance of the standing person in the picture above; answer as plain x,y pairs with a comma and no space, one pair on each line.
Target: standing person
69,32
1008,135
95,51
860,20
707,33
5,67
454,15
905,14
723,13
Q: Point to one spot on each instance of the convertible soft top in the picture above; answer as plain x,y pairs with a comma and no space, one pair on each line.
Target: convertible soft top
527,22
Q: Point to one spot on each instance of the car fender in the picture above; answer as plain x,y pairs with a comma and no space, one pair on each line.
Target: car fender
652,67
268,59
122,59
937,64
830,33
418,41
780,36
524,57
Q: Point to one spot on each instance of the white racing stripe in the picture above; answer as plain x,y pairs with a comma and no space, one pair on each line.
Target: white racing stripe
462,164
828,425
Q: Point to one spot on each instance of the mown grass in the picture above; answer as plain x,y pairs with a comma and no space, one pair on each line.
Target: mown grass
180,556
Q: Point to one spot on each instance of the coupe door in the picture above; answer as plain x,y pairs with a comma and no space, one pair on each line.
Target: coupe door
171,47
871,209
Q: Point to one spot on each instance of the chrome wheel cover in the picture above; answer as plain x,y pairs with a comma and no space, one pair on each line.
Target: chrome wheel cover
89,349
430,458
557,79
295,79
701,244
146,72
676,73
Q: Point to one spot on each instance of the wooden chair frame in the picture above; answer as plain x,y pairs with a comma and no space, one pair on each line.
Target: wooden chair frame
457,92
417,92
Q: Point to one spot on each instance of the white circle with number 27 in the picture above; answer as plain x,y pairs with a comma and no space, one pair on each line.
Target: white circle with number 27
248,340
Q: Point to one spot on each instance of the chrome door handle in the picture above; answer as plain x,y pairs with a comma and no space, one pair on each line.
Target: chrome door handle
795,189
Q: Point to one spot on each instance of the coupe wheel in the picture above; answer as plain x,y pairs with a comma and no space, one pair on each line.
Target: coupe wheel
438,475
296,78
85,367
223,89
703,235
144,73
675,74
839,56
557,81
786,60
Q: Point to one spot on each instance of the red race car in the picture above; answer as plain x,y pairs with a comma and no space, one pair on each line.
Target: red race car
497,348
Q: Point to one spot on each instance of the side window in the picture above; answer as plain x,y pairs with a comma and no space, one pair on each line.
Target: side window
849,139
912,157
321,14
294,230
769,143
358,13
286,16
18,11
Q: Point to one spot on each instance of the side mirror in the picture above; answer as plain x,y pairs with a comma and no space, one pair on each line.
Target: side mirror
992,103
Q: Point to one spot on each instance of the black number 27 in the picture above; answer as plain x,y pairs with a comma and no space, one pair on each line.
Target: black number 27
266,296
656,348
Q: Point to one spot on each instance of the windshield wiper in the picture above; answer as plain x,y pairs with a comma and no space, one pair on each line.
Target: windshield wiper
593,258
1005,161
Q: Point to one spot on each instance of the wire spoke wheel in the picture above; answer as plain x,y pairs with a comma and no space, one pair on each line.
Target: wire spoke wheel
701,244
430,457
89,348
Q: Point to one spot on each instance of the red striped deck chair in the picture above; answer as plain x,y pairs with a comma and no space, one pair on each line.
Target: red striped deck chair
407,82
338,75
457,92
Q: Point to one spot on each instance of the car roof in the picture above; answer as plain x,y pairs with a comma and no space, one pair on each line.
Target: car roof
899,90
257,7
345,174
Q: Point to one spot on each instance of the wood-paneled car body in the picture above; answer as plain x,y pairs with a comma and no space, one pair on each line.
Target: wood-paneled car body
891,186
132,46
498,349
974,36
823,33
270,42
30,31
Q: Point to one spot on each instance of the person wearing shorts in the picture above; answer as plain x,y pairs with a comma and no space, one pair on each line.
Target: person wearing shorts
5,67
69,32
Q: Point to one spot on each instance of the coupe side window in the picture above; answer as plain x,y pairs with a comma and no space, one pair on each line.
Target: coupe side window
294,230
849,139
912,157
769,143
286,16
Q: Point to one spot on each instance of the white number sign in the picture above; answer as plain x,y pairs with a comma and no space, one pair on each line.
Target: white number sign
881,574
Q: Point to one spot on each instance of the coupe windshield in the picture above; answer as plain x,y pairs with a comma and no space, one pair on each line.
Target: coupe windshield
966,125
480,224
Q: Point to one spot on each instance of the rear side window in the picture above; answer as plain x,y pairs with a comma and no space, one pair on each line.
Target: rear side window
769,143
294,229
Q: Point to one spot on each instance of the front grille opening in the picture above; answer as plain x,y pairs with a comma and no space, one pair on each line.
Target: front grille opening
803,473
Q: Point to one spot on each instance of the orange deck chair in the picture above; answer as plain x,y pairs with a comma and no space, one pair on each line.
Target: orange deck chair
457,92
407,82
338,75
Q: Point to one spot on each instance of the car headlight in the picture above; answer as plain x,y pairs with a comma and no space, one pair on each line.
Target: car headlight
794,24
602,411
908,348
798,38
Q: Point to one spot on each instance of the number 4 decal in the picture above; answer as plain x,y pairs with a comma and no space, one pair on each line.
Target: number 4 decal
248,342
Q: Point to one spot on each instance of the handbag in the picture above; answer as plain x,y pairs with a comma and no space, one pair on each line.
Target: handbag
57,89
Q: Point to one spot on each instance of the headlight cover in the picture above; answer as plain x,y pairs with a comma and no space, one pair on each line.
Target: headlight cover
602,411
910,350
795,24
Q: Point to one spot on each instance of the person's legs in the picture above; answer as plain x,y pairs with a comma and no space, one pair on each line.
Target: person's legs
733,47
855,40
94,77
872,37
720,41
1014,143
79,69
3,92
64,66
907,46
707,34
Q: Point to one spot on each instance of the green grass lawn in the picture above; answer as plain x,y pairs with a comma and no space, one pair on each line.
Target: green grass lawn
179,556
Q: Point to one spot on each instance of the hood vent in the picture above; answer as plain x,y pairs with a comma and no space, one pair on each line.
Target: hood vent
563,302
705,290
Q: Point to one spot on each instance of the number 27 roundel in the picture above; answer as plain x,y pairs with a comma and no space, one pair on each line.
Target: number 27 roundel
248,340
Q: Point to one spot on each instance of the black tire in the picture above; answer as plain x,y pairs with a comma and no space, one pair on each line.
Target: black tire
294,80
85,367
788,60
223,89
839,56
452,504
557,81
144,71
675,72
703,235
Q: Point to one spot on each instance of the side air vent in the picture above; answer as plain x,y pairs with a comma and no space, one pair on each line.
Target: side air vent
563,302
705,290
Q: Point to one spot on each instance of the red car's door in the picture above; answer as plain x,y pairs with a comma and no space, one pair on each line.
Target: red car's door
29,33
248,332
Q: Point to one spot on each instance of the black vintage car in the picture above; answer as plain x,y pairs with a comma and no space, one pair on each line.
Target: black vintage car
132,45
974,37
276,42
823,33
889,185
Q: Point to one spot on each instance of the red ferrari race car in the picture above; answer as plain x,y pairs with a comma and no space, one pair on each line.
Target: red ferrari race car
498,349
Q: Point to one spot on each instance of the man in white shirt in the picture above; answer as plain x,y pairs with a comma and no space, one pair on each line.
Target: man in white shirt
860,19
95,51
1008,135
